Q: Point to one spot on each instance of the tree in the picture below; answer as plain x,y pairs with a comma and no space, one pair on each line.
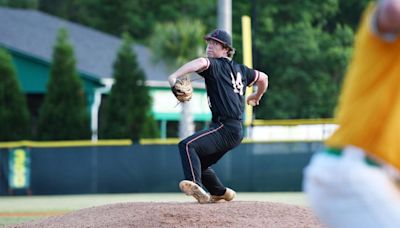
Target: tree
305,55
176,44
28,4
137,17
80,11
150,128
14,114
63,114
350,12
128,106
277,30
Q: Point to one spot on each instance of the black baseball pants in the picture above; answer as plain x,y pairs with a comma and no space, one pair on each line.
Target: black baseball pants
204,148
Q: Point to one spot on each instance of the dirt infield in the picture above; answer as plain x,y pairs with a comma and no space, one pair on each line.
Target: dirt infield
186,214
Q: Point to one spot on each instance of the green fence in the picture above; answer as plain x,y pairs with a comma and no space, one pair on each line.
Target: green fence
139,168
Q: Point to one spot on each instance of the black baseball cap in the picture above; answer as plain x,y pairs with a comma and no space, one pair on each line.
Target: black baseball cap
220,36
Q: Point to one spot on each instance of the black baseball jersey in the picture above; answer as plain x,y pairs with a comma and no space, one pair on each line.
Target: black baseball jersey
226,83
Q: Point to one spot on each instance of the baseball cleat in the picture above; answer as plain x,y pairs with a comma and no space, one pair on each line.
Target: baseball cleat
192,189
227,196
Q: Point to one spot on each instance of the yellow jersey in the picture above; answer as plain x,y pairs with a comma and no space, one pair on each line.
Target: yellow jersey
368,112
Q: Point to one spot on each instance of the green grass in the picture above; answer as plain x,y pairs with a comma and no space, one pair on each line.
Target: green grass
18,209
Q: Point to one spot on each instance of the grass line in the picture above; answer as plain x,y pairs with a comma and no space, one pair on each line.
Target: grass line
32,214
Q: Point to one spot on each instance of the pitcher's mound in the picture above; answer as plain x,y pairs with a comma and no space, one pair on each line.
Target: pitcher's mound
178,214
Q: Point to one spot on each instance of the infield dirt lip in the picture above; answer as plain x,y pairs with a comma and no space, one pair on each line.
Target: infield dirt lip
235,214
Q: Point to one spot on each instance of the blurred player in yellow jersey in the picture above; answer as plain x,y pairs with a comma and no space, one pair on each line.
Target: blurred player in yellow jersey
354,181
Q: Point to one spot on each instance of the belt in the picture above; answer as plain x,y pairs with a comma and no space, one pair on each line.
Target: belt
338,153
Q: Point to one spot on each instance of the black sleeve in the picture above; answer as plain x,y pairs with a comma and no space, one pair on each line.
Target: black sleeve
206,71
251,75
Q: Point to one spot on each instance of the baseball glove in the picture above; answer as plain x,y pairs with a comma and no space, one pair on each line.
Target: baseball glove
183,89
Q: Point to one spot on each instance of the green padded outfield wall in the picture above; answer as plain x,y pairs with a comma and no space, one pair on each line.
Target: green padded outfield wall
251,167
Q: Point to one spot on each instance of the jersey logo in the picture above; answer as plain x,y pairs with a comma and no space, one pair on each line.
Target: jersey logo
237,83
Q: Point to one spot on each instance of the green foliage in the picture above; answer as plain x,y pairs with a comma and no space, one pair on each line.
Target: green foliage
175,11
150,129
138,17
303,45
350,12
119,14
129,102
80,11
178,42
14,114
63,114
304,57
28,4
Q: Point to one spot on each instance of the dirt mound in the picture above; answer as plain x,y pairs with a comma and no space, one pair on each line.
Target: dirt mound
178,214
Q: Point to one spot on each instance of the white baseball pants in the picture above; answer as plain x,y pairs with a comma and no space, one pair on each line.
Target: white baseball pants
344,191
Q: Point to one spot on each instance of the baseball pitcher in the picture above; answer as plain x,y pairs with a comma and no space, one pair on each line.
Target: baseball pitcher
225,83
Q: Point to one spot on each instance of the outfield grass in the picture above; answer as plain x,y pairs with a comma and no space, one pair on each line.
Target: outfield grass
17,209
